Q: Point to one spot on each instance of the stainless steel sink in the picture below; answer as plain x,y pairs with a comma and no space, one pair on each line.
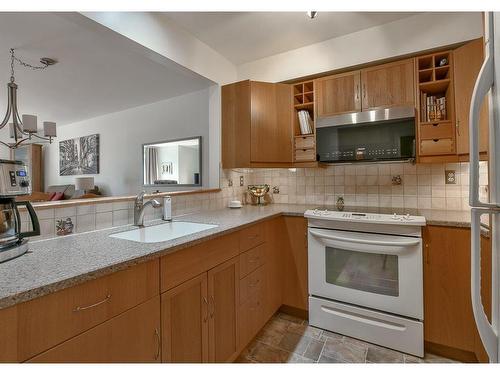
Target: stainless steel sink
163,232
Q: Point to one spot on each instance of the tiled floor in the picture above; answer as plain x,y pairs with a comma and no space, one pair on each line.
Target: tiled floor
287,339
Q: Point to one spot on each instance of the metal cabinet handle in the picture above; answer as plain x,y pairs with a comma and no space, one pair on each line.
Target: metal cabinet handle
253,260
205,318
364,91
253,236
212,312
158,343
357,91
82,308
458,127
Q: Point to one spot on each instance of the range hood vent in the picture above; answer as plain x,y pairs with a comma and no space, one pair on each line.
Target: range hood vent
376,115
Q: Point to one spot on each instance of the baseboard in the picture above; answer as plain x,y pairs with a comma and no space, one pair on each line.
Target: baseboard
449,352
295,311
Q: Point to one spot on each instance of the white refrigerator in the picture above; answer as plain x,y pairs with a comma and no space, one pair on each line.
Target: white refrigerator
486,88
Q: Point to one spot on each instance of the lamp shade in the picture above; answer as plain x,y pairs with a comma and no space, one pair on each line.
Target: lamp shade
30,123
84,183
49,129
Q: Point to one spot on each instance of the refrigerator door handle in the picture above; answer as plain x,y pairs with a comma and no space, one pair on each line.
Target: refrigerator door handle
488,335
482,86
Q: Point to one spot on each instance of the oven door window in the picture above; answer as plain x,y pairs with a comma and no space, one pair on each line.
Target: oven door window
369,272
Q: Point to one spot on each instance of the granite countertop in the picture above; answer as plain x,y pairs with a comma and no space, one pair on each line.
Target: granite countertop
58,263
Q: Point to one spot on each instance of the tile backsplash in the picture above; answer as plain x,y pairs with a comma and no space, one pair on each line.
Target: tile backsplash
422,186
370,185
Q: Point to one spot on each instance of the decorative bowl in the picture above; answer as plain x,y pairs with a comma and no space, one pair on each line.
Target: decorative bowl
258,191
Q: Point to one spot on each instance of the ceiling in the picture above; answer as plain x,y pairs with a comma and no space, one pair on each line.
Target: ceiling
99,71
246,36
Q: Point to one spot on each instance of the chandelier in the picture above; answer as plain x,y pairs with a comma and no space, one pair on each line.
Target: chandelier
26,129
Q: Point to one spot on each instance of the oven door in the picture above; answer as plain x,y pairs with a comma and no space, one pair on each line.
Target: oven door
382,272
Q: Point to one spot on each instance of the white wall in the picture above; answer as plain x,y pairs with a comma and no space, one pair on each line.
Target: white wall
406,36
156,32
122,135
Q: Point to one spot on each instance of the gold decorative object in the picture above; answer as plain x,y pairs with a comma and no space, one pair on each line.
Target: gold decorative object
259,191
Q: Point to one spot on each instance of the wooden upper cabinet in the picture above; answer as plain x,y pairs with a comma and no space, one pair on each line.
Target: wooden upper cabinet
338,94
184,317
467,63
256,124
388,85
133,336
223,294
271,138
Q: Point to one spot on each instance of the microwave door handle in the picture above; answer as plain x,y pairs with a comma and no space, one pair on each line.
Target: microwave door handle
488,335
483,84
365,242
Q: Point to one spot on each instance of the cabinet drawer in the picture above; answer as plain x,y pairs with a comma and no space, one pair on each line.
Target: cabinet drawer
305,155
252,259
188,263
437,130
49,320
252,283
251,237
305,142
441,146
133,336
251,318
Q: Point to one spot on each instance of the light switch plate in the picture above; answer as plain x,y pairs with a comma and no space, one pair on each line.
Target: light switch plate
450,177
242,181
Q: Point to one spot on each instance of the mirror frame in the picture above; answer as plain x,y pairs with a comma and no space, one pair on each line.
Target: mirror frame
200,140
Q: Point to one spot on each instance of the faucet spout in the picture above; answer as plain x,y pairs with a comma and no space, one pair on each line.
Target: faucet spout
140,206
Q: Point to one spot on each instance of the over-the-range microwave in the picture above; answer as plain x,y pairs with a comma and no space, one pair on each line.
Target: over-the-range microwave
378,135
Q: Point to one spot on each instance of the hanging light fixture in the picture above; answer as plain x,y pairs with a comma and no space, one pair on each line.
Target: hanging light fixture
25,129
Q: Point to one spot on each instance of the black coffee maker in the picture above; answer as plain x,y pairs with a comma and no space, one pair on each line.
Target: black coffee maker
14,181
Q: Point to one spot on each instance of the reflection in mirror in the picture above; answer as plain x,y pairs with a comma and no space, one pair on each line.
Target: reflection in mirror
176,162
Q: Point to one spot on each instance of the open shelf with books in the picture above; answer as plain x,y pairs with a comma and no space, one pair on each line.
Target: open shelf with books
304,122
435,104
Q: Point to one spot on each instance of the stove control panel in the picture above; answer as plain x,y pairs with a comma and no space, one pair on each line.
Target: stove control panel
365,217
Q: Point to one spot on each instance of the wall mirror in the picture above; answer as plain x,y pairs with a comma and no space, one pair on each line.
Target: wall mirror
172,163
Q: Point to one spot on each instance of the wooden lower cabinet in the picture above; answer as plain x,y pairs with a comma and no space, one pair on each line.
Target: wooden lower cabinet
184,322
223,294
133,336
199,317
295,282
449,325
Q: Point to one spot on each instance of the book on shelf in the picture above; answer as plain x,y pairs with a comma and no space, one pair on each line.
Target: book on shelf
432,108
305,122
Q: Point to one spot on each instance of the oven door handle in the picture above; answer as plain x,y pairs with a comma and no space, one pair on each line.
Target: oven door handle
366,242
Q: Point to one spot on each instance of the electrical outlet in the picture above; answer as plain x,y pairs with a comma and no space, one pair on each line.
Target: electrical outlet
229,182
450,177
242,181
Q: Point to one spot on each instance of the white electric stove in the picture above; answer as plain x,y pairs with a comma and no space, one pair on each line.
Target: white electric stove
365,276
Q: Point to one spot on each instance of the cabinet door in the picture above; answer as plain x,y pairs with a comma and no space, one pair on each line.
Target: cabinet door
295,281
388,85
133,336
274,263
448,318
223,292
271,123
185,322
467,61
338,94
235,125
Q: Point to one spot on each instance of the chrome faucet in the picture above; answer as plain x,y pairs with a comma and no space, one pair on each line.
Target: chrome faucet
139,207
